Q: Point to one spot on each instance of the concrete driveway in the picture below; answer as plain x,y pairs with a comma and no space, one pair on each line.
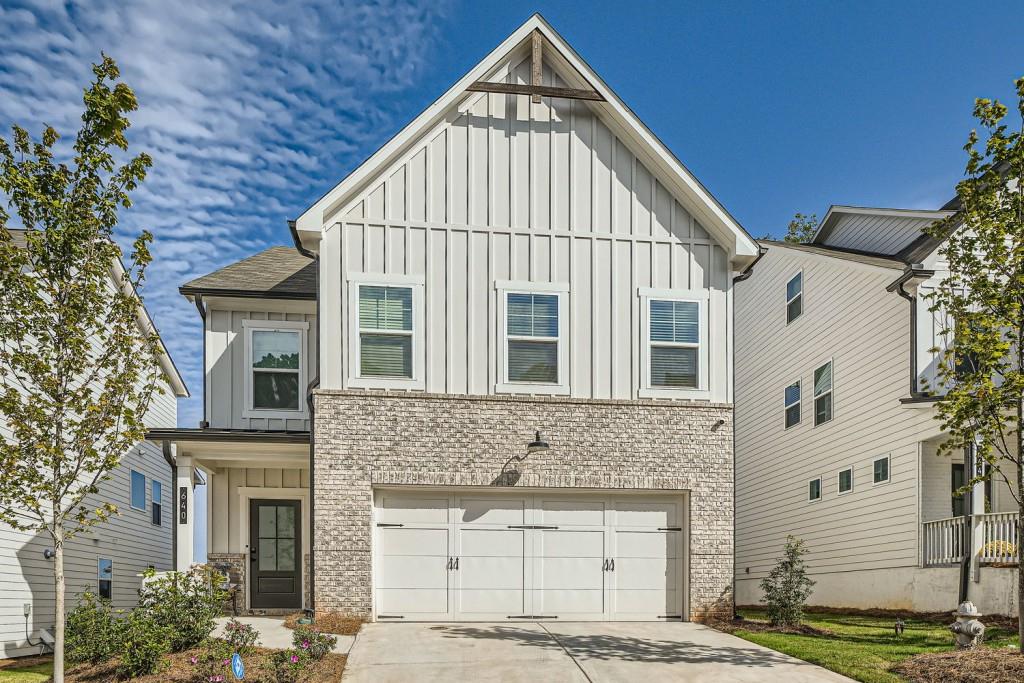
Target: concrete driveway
595,652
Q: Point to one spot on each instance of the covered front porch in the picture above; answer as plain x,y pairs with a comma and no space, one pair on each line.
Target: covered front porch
257,522
991,515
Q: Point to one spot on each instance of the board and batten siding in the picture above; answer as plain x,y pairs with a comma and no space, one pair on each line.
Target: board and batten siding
129,539
225,499
848,317
506,190
226,363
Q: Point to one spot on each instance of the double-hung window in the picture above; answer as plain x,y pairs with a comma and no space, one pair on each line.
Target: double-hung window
814,490
823,394
276,374
793,404
674,353
845,480
880,470
794,297
385,332
534,345
137,490
105,578
158,503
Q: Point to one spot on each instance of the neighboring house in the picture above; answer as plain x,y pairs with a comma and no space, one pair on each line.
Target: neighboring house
109,559
836,436
517,331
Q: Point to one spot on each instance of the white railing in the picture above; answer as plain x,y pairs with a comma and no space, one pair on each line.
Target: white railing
999,538
944,541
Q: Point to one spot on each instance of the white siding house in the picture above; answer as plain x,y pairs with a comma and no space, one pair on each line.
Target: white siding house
846,458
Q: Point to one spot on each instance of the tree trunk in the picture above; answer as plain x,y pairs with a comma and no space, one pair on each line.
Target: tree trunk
1020,543
58,610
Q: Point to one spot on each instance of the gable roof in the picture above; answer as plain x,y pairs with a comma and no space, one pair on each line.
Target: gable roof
682,184
867,258
837,212
275,273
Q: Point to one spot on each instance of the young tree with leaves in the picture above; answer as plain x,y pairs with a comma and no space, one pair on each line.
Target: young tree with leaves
982,301
77,367
787,586
802,228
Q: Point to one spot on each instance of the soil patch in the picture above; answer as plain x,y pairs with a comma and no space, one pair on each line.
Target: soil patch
981,665
944,618
756,626
337,624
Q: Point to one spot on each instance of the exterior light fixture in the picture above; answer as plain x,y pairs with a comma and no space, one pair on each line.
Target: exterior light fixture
538,445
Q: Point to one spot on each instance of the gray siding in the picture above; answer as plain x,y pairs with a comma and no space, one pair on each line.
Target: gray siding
129,539
878,233
508,190
226,363
849,317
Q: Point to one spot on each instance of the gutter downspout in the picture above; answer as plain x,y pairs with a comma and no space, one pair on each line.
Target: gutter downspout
749,270
166,447
312,421
913,335
201,307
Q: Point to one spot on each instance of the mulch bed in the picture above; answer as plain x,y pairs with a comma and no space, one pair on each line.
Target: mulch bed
731,626
335,624
981,665
945,618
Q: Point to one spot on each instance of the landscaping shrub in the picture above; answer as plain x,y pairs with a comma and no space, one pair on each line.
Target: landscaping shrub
312,643
241,637
185,603
213,663
144,644
91,632
787,587
288,665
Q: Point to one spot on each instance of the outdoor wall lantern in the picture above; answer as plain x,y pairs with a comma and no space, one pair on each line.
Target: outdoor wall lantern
538,445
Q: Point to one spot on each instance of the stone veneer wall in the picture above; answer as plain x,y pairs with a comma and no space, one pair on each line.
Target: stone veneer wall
237,567
366,439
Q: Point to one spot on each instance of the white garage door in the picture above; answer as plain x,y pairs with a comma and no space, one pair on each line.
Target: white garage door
487,557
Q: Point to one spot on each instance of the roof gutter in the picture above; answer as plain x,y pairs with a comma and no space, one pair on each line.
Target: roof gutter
201,307
749,270
310,404
915,275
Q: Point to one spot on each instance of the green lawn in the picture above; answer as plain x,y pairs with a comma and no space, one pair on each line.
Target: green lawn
37,673
863,647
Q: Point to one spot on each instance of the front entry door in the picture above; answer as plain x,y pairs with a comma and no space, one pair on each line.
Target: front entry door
275,553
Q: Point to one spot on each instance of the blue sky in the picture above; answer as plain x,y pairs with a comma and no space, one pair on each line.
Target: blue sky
252,109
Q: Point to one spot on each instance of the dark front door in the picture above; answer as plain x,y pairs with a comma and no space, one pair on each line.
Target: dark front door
275,554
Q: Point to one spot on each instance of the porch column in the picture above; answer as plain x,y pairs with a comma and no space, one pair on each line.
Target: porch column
976,512
184,512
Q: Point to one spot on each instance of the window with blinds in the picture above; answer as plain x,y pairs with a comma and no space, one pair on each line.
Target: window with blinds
532,338
275,369
675,344
823,394
385,331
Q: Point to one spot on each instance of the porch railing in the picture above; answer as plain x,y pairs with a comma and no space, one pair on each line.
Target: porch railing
996,540
944,541
999,538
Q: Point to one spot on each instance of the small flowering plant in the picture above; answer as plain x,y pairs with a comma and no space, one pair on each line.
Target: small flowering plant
312,643
241,637
288,665
213,663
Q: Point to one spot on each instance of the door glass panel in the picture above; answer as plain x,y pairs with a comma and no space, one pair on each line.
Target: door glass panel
268,522
267,555
285,555
286,522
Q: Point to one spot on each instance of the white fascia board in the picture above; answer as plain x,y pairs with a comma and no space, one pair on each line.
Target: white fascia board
712,216
837,210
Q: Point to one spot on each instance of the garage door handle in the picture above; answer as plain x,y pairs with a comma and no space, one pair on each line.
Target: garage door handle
670,528
609,565
453,563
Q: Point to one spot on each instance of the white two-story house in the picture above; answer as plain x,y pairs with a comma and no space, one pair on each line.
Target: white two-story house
515,323
836,436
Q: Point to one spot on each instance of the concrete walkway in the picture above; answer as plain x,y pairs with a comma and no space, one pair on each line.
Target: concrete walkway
582,652
273,633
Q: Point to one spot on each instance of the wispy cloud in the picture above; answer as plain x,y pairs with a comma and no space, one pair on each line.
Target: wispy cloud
249,109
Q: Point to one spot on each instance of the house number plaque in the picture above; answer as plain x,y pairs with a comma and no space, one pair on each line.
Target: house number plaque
182,505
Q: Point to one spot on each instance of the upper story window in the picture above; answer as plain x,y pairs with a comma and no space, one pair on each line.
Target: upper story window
880,470
534,345
845,480
674,353
137,486
823,394
385,332
793,404
794,297
814,490
158,503
276,373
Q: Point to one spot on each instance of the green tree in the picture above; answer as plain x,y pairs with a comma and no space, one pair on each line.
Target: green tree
801,228
78,367
982,302
787,586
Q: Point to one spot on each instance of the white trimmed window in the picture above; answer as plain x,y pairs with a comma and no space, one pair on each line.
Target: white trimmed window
814,490
880,470
792,399
385,325
158,503
674,343
794,297
823,394
845,480
137,490
104,578
534,346
275,378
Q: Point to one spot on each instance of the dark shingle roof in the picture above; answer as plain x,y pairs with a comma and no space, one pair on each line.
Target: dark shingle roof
866,257
277,273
